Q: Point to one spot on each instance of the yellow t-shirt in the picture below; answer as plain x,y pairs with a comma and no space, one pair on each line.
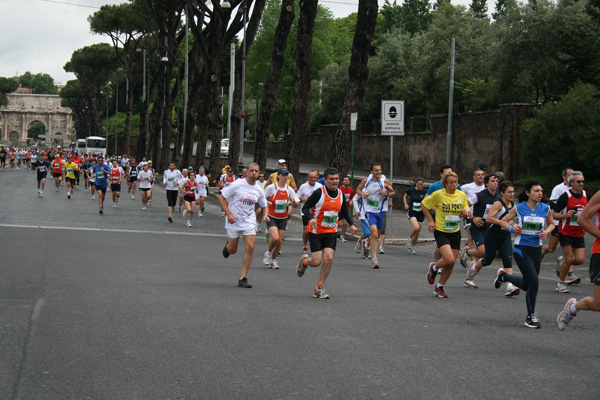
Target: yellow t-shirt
448,208
70,169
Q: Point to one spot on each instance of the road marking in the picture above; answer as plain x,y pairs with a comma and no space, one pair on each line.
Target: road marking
111,230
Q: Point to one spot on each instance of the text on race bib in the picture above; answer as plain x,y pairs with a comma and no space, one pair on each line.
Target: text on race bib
416,206
329,219
451,222
532,225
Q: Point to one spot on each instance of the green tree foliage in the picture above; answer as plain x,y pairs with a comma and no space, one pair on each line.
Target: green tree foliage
40,83
35,130
571,125
479,8
412,16
544,49
7,85
328,46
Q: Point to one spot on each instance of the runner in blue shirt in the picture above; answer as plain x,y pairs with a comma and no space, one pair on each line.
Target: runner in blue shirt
101,172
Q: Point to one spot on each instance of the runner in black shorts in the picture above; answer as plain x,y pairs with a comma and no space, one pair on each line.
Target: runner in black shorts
588,303
412,203
321,211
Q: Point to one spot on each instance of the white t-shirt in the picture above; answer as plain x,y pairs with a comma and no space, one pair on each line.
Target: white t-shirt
144,184
242,198
305,190
202,182
172,179
471,189
558,191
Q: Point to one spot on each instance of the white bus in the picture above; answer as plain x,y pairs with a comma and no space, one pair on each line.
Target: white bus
91,145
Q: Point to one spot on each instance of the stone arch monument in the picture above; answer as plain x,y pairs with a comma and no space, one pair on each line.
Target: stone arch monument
24,109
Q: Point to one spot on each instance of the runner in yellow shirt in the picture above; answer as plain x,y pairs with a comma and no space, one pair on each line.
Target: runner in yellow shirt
450,204
69,169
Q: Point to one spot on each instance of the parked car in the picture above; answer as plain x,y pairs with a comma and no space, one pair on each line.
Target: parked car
224,152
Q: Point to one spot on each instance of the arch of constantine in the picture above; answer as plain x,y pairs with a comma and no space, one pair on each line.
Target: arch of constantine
25,109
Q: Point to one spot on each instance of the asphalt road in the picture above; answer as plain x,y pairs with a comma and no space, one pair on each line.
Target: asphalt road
127,306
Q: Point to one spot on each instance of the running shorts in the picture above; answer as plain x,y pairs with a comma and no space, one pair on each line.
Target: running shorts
477,235
595,269
280,223
575,242
41,176
235,233
172,197
375,219
555,231
70,180
115,187
416,214
320,241
144,189
444,238
191,199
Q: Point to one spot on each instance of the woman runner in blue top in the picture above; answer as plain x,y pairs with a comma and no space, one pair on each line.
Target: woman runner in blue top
531,214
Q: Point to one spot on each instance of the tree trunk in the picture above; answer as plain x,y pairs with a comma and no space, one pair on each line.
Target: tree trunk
267,106
358,73
236,121
306,25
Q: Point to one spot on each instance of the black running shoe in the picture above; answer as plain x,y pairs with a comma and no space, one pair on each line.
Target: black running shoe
170,219
243,282
225,252
532,321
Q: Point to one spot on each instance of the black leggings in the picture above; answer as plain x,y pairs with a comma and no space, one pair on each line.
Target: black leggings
528,259
172,197
494,243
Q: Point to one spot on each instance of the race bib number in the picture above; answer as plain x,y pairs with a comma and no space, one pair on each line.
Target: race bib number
69,170
281,206
42,169
100,175
329,219
133,173
115,179
373,203
451,222
416,207
171,180
193,190
487,210
573,219
532,225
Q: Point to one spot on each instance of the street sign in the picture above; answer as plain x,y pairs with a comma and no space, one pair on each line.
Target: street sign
392,117
353,118
42,136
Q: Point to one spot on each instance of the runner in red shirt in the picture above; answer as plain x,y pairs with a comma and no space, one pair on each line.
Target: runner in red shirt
189,188
57,170
349,195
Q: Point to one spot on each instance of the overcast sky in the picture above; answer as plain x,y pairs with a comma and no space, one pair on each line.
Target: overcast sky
41,35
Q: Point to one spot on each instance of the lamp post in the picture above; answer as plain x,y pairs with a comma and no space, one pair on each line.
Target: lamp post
242,113
116,114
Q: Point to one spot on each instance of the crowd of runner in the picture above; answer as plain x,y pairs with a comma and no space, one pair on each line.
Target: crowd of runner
486,208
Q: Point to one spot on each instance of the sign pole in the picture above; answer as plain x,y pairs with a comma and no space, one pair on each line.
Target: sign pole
391,178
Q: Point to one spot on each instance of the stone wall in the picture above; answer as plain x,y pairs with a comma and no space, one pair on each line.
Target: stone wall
493,137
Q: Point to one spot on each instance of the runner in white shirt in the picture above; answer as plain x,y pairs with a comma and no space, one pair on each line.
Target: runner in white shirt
553,238
304,192
144,177
171,179
202,182
237,202
470,189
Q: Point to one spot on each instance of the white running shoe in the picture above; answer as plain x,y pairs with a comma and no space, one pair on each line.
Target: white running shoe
188,224
184,213
565,315
267,258
93,197
114,205
144,208
381,250
132,197
470,284
342,239
561,287
358,246
200,214
273,264
463,256
472,271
